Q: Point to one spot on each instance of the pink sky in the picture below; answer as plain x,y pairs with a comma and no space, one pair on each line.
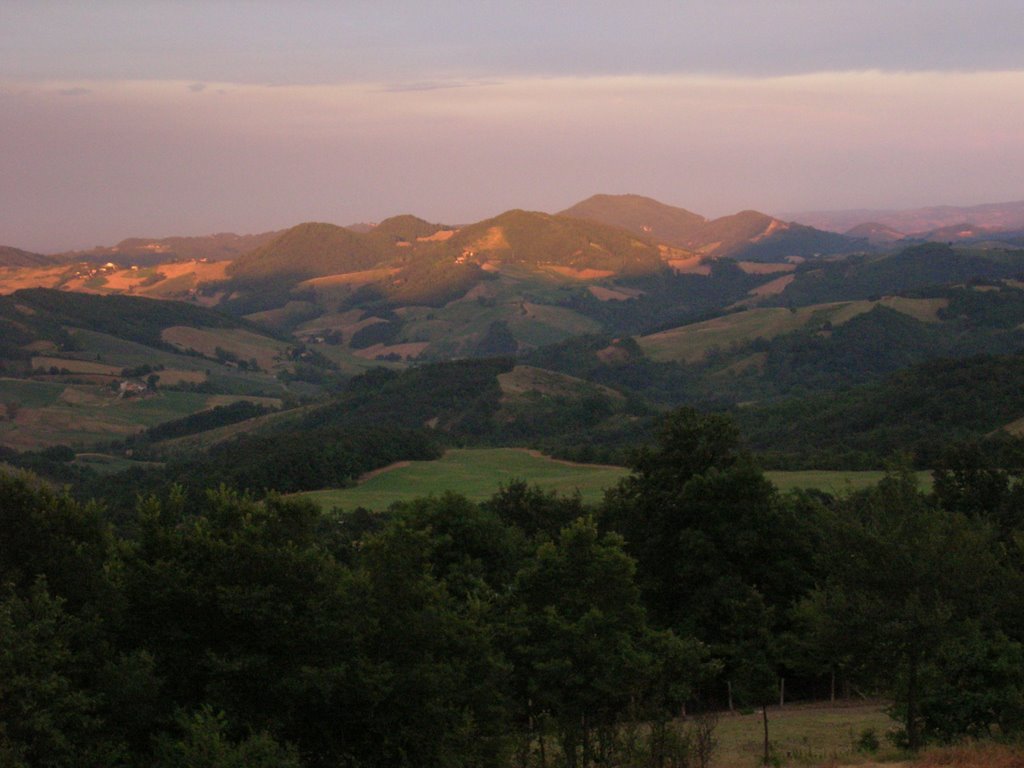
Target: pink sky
115,147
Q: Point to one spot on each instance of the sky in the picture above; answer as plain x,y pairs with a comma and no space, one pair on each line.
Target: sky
124,118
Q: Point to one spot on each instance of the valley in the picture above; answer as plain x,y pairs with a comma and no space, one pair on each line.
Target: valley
548,480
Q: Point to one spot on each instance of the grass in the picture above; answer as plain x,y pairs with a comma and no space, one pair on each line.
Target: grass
108,464
30,394
802,734
475,473
478,472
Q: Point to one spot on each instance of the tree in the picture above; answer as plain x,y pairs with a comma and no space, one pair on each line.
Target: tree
205,743
719,555
47,716
583,649
907,581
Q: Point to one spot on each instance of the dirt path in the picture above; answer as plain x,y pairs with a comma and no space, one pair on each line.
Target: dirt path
539,455
380,471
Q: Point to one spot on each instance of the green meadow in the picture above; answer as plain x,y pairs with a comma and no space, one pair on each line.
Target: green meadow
478,472
475,473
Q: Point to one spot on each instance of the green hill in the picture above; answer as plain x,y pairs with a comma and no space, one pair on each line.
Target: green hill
910,269
404,228
37,314
919,410
307,251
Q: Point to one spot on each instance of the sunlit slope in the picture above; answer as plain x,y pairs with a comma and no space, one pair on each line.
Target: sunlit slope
745,235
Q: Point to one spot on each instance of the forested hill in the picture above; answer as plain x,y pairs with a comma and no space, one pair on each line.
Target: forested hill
37,314
912,268
306,251
919,412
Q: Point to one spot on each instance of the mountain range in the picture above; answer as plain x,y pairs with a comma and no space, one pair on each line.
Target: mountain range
647,304
958,222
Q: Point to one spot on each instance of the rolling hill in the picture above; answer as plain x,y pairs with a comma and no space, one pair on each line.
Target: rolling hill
306,251
748,235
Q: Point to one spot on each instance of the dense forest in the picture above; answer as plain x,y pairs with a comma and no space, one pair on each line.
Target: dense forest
217,630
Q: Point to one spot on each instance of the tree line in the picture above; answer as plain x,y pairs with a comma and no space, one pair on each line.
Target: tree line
529,630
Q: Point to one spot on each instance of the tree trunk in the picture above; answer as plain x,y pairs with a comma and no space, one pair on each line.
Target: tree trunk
728,688
764,715
782,692
913,738
832,688
586,741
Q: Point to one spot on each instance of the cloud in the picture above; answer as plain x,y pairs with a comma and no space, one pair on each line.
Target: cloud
197,87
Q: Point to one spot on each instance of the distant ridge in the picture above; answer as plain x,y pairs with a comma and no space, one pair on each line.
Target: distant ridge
875,233
748,235
642,215
143,251
916,222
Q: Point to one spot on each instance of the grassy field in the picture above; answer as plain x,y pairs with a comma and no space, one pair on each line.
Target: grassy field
802,735
477,473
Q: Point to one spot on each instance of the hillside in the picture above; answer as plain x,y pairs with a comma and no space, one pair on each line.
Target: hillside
539,239
748,235
15,257
920,410
912,268
84,369
306,251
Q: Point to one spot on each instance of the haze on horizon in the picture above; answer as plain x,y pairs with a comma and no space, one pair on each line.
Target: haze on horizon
157,118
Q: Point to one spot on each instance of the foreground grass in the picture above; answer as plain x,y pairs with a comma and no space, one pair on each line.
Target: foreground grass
802,735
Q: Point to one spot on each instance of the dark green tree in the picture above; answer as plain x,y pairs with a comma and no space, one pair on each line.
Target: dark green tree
907,582
719,555
584,652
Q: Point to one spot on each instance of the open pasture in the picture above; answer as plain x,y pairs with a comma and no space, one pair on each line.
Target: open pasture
473,472
477,474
